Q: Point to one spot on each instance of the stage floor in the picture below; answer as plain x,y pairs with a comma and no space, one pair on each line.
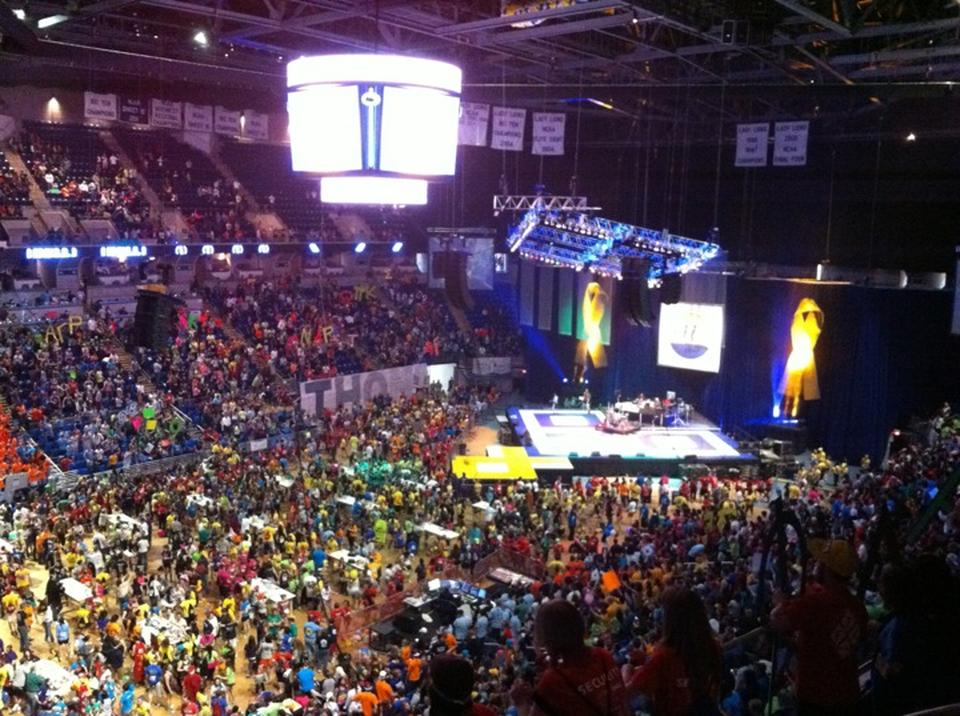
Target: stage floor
574,433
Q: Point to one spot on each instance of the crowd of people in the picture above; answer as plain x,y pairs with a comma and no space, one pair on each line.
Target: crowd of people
242,583
308,333
90,187
14,191
65,385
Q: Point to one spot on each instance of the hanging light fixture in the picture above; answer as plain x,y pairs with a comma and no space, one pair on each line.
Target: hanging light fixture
374,128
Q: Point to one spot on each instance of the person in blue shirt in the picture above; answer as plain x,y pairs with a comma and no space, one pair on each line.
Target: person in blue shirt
127,699
461,626
319,557
305,679
154,677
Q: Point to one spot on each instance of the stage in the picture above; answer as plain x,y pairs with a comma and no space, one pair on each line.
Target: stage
574,434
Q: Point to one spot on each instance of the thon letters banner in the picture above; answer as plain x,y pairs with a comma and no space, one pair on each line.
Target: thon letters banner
364,387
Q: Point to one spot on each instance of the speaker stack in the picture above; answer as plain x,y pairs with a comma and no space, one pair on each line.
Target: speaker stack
637,303
153,322
454,271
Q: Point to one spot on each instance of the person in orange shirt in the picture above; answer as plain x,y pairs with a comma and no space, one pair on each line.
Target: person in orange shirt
414,666
383,690
450,641
368,702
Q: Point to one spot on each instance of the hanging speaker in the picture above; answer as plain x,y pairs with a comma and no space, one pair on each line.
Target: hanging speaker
670,288
635,293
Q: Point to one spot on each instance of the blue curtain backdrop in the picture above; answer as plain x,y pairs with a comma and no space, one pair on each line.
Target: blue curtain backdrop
883,357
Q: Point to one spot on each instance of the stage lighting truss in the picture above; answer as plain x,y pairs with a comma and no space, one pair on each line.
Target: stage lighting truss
525,202
580,241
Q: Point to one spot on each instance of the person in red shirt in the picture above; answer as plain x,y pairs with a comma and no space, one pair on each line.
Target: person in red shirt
192,683
451,687
684,673
829,624
579,680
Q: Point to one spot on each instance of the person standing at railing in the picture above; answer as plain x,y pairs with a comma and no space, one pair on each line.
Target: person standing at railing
829,623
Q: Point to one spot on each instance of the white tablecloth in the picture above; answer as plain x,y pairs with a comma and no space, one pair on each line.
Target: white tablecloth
76,590
163,628
58,679
437,530
271,590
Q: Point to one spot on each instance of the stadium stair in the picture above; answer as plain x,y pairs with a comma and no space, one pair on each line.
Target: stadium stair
227,173
37,197
942,499
156,208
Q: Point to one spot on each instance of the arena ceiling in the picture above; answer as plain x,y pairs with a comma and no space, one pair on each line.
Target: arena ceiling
618,52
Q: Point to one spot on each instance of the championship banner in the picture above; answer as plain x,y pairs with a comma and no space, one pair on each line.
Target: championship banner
226,121
197,117
548,130
255,125
508,123
165,114
328,393
790,144
99,106
752,144
474,119
133,110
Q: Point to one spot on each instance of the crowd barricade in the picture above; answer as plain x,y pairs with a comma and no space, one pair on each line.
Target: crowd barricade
519,562
352,628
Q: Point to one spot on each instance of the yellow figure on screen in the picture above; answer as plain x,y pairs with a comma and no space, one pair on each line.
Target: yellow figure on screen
799,381
592,310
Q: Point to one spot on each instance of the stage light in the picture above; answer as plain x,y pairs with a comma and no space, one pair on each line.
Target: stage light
314,249
565,380
236,249
200,38
54,111
911,137
44,22
360,247
376,115
263,249
20,13
397,247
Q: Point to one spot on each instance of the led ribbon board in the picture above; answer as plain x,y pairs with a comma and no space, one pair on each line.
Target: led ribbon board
376,128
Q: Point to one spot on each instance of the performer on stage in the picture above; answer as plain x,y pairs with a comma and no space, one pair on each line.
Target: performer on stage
586,399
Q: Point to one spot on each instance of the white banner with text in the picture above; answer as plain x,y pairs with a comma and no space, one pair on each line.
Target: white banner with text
226,121
752,144
197,117
474,120
99,106
346,390
255,125
548,130
166,114
790,144
508,124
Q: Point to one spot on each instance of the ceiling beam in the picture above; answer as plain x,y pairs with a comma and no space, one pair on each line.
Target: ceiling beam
273,25
885,30
814,16
320,18
463,28
555,30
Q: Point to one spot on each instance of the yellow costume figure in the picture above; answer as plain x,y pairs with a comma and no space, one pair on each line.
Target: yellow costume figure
799,381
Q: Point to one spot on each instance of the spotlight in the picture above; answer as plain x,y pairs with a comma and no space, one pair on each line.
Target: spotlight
201,39
565,380
44,22
20,13
360,247
397,247
314,249
911,137
207,249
